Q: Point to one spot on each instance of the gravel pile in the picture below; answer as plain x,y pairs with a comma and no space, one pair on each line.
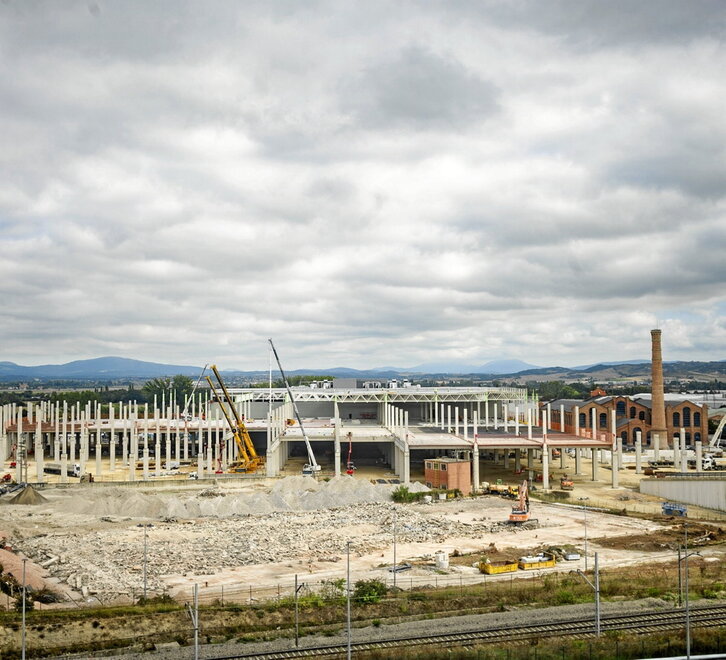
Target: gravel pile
289,494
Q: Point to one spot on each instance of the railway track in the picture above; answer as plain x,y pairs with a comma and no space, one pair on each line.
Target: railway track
636,623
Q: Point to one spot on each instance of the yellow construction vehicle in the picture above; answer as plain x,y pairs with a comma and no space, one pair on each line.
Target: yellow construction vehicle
248,460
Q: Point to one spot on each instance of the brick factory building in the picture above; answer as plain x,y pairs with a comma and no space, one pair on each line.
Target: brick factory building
448,473
632,414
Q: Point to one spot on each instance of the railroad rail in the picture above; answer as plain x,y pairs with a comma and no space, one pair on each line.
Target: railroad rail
636,622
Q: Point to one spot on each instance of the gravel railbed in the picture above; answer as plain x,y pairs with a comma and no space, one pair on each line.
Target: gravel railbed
454,624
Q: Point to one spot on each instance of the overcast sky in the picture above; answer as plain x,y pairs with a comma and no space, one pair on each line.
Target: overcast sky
369,183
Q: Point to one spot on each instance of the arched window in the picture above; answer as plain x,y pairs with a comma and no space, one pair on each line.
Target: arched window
635,434
620,408
676,419
688,438
632,412
647,438
641,415
603,420
696,419
624,437
697,437
686,416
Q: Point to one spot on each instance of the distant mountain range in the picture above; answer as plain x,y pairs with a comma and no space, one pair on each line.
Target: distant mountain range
116,368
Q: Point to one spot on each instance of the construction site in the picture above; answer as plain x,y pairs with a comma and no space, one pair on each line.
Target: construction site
236,494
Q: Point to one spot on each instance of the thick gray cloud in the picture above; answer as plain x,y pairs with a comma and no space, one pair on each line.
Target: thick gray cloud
369,184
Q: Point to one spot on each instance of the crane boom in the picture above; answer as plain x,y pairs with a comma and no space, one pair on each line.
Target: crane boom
246,463
313,463
185,412
244,434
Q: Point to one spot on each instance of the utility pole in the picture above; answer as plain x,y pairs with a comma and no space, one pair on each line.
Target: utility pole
297,629
595,586
22,644
194,616
348,592
394,548
688,610
585,499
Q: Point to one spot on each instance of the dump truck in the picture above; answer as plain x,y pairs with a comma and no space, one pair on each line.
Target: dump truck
533,562
497,567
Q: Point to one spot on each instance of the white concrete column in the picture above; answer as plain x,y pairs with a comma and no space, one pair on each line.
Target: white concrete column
64,469
167,448
594,464
517,459
516,420
456,420
475,464
699,456
486,414
40,472
562,417
545,468
98,459
436,413
578,462
614,464
506,458
676,452
496,420
475,425
466,424
336,437
529,423
200,466
530,458
563,455
655,444
145,462
593,422
684,451
638,452
157,455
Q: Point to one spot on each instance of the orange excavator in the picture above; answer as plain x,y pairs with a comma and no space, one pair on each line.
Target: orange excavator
520,511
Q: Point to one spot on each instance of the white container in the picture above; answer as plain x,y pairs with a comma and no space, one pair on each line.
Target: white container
442,560
442,497
428,499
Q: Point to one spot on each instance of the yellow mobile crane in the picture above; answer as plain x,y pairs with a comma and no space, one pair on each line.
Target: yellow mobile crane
248,460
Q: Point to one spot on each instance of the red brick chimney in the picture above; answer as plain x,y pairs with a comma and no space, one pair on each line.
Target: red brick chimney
658,420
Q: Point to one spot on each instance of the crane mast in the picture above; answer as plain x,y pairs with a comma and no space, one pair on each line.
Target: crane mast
249,460
313,466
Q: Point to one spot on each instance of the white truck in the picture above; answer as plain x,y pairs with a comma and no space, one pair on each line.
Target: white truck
55,468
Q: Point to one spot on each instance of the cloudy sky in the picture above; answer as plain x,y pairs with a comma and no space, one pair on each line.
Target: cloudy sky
369,183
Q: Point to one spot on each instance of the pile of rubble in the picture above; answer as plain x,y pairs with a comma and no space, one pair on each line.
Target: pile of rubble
112,559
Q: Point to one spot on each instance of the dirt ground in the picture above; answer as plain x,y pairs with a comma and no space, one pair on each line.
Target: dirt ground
618,539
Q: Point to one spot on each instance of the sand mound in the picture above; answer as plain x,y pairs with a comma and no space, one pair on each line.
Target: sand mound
28,496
